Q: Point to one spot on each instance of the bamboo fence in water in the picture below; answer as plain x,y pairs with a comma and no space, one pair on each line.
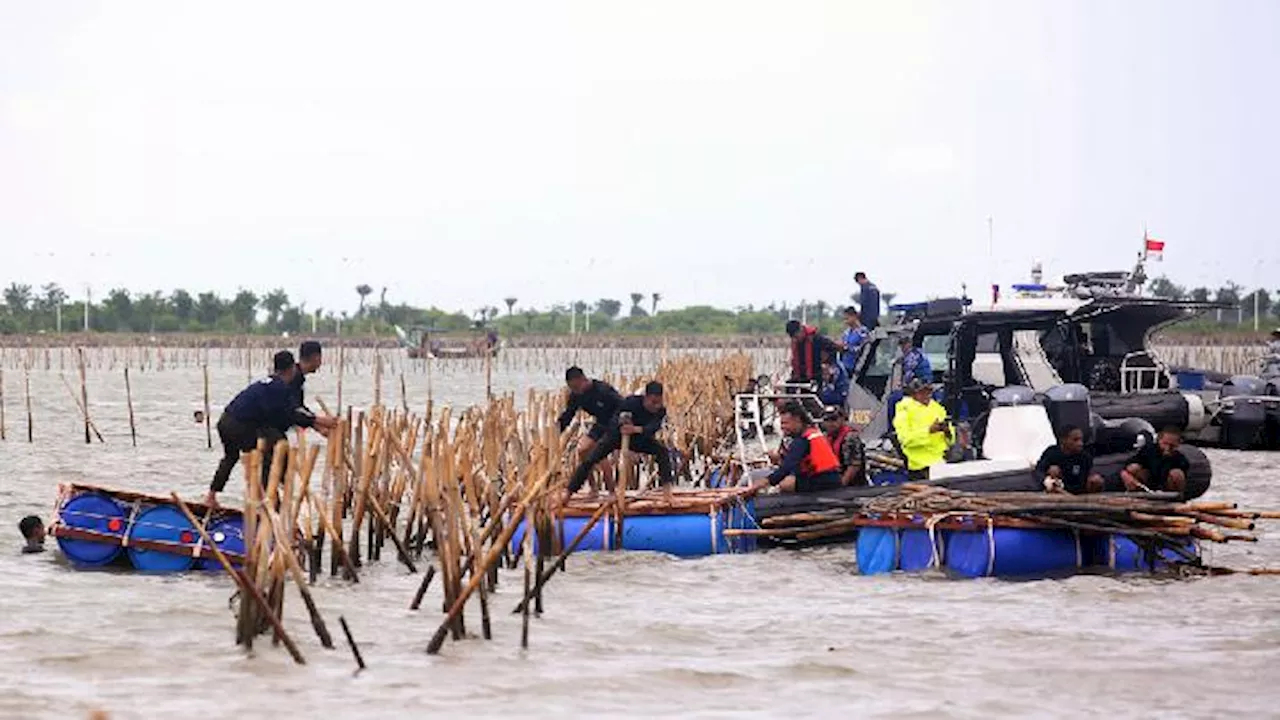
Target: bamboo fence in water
458,487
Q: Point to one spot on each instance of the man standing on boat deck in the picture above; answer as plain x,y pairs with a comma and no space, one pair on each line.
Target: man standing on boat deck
597,398
640,417
923,432
309,360
266,409
1159,465
915,364
868,301
807,348
809,465
855,333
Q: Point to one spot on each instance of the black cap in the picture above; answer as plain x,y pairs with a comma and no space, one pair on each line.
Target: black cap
653,388
283,360
833,412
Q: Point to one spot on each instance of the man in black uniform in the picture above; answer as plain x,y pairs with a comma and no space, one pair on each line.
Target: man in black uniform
1158,466
640,417
1068,466
597,398
266,409
309,360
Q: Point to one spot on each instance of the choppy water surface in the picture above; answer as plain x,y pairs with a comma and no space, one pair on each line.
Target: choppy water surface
771,634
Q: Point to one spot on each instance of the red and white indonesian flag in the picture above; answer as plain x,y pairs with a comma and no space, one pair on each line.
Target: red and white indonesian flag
1154,249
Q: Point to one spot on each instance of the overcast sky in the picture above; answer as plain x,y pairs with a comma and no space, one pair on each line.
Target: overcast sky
717,152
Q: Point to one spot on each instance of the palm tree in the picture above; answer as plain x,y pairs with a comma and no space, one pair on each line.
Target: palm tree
17,297
656,298
635,301
274,303
511,304
363,291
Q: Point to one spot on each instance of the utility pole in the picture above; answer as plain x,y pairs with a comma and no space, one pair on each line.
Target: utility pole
88,300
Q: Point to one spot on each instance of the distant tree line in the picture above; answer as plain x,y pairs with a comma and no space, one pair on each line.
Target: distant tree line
49,308
1242,303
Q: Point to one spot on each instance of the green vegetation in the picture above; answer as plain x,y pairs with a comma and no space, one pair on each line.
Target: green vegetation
47,309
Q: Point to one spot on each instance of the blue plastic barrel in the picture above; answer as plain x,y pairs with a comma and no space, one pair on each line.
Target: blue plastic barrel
1121,554
597,539
680,535
165,524
889,477
1190,380
1018,553
228,535
94,513
877,550
915,551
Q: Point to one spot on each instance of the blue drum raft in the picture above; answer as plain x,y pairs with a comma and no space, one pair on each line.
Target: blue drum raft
99,527
694,523
1014,534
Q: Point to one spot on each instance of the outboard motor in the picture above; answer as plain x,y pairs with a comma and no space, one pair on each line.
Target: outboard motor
1018,427
1069,405
1012,396
1242,420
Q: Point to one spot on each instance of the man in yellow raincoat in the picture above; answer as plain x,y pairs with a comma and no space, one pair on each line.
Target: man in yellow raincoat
922,428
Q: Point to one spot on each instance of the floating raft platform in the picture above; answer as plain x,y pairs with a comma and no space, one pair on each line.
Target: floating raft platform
692,524
99,527
973,548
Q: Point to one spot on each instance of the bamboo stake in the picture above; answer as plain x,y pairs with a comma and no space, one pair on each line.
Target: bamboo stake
291,563
128,396
208,426
246,586
351,642
26,383
560,560
335,538
81,408
491,557
624,479
341,371
84,397
3,435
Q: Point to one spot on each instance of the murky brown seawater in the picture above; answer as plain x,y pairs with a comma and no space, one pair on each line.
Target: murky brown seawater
782,633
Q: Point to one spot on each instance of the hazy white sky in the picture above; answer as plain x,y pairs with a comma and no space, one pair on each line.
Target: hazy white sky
718,152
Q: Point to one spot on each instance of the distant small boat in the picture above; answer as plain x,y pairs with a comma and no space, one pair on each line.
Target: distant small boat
419,344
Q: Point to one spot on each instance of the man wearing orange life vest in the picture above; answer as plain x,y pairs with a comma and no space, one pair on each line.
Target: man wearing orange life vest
810,465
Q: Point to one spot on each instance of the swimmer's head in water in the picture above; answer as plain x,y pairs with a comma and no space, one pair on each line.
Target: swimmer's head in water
198,416
32,529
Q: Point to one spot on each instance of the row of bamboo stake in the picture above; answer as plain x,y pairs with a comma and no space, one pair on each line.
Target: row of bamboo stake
449,495
605,353
80,395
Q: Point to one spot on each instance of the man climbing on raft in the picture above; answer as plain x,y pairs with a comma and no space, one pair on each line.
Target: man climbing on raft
264,410
639,417
596,398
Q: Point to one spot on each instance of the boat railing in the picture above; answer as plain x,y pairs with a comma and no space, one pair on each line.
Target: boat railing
755,411
1140,372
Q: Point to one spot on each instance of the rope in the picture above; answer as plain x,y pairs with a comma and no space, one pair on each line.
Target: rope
991,545
715,546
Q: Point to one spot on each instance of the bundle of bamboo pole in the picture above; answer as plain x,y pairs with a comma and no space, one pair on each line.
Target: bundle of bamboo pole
1156,520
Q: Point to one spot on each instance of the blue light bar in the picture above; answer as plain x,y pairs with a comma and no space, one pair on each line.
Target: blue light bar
1031,288
909,307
